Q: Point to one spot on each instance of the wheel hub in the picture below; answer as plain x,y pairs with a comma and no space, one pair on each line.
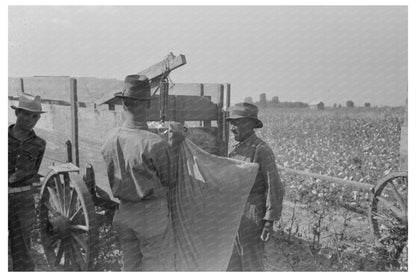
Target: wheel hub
60,226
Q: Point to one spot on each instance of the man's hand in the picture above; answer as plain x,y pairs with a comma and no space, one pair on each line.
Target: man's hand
177,133
267,231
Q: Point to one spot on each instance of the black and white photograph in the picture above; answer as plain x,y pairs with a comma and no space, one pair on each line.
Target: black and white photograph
207,138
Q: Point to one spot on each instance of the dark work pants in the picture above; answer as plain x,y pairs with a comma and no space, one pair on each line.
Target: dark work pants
248,248
21,219
145,233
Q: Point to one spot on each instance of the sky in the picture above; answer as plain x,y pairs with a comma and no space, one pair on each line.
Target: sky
298,53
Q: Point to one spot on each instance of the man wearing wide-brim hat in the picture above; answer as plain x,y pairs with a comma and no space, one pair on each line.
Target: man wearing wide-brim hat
264,203
26,151
141,169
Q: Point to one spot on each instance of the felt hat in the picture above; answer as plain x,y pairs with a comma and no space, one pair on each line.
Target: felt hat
29,102
135,87
245,110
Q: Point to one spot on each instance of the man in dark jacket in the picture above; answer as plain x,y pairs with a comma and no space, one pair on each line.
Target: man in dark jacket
26,151
264,203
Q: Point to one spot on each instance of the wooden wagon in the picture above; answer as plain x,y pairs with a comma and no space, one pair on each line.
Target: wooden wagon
75,180
80,111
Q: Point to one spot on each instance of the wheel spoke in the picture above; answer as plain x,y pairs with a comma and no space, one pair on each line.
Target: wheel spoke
398,197
54,198
389,205
60,192
78,238
67,251
80,228
67,193
76,216
60,253
79,259
72,202
51,209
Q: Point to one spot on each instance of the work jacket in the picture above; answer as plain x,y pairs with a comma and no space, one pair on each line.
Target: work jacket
139,163
265,199
25,158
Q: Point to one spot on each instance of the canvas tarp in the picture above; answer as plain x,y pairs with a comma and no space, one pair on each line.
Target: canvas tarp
206,207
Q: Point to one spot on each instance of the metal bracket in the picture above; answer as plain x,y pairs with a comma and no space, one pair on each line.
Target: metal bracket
69,167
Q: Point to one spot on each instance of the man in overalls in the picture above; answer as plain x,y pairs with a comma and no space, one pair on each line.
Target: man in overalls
264,203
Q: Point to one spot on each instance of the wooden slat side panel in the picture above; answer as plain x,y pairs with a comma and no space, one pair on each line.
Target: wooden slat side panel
186,108
57,118
185,89
14,86
55,152
96,123
206,138
195,108
92,89
210,89
56,88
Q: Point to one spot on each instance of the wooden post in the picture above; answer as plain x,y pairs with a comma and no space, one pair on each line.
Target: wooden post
221,121
74,118
163,100
68,151
206,123
22,86
227,125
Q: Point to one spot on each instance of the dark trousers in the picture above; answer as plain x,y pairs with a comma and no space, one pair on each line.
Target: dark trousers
145,235
21,219
248,248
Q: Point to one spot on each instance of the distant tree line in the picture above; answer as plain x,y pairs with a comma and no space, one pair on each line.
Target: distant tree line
275,102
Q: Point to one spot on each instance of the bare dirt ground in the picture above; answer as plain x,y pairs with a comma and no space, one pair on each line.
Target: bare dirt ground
297,252
285,251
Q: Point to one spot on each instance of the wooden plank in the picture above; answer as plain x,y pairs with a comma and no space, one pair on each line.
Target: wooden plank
196,108
210,89
14,86
46,87
55,152
57,102
49,119
90,88
171,62
187,108
206,138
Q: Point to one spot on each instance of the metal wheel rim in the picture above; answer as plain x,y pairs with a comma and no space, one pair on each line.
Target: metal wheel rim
398,209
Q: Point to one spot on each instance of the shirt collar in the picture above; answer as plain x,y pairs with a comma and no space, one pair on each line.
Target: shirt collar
247,141
130,124
31,135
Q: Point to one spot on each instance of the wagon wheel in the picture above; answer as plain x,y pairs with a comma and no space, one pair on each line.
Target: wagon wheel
69,231
388,211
